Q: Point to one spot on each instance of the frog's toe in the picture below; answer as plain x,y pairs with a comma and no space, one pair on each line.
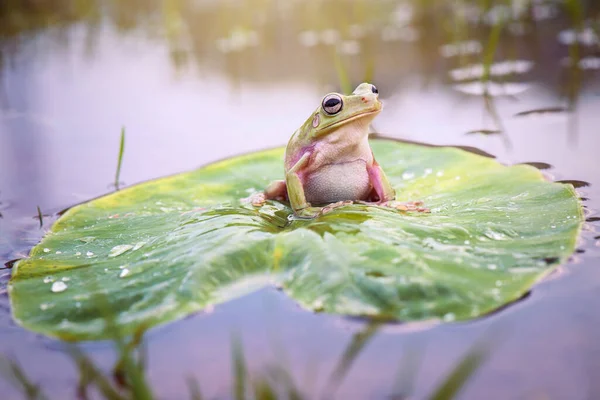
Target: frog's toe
257,199
335,205
407,206
308,212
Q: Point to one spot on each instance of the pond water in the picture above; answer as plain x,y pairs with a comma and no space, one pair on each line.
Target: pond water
197,81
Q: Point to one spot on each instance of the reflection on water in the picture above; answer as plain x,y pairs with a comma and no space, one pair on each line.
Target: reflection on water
195,81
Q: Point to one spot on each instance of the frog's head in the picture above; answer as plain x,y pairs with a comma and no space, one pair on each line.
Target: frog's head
337,110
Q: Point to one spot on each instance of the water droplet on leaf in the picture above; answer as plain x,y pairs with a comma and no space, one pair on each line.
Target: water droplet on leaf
59,287
120,249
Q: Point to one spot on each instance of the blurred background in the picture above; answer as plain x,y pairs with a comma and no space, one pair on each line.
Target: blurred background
194,81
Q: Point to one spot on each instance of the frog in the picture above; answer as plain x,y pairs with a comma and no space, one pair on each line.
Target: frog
329,162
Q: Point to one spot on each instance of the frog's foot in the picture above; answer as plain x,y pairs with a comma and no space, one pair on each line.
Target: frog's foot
276,190
400,206
193,210
335,205
314,212
407,206
257,199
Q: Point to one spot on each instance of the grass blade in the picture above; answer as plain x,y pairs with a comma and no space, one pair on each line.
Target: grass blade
357,344
120,160
264,391
239,369
40,216
407,372
342,73
194,387
13,373
91,375
457,378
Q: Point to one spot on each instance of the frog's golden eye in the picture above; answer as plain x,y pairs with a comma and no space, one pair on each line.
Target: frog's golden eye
332,104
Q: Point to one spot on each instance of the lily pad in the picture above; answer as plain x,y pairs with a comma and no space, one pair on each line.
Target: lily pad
167,248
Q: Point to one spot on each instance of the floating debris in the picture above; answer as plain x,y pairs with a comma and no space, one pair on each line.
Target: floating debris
308,38
238,40
349,47
576,183
404,34
585,37
590,63
483,132
330,36
403,14
502,68
542,111
538,165
357,31
543,11
460,48
493,89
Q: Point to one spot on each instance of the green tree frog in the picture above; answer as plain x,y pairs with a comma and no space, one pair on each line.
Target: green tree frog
329,162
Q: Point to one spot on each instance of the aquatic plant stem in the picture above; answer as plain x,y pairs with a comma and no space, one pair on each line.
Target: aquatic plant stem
120,159
40,216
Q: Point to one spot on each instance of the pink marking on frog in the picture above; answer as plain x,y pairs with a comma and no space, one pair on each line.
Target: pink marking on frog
294,159
375,178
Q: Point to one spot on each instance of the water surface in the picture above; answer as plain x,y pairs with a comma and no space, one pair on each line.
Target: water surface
197,81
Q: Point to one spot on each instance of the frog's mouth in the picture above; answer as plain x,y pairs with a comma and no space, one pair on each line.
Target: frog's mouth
349,119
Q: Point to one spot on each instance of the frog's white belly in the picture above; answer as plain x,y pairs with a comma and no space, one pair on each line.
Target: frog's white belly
337,182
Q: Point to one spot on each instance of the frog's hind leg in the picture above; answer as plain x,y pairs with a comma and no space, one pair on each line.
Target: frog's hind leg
384,192
277,190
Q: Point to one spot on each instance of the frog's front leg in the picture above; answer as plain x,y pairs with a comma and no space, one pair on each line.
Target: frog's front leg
386,193
295,190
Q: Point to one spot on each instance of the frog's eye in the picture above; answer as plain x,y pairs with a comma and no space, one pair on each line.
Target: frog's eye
374,89
332,104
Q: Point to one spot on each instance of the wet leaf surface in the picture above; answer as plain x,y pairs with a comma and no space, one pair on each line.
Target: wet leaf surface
164,249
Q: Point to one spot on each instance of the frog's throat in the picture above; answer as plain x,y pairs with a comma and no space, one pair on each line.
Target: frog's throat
326,128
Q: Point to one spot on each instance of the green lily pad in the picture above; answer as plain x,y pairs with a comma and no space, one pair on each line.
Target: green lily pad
164,249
